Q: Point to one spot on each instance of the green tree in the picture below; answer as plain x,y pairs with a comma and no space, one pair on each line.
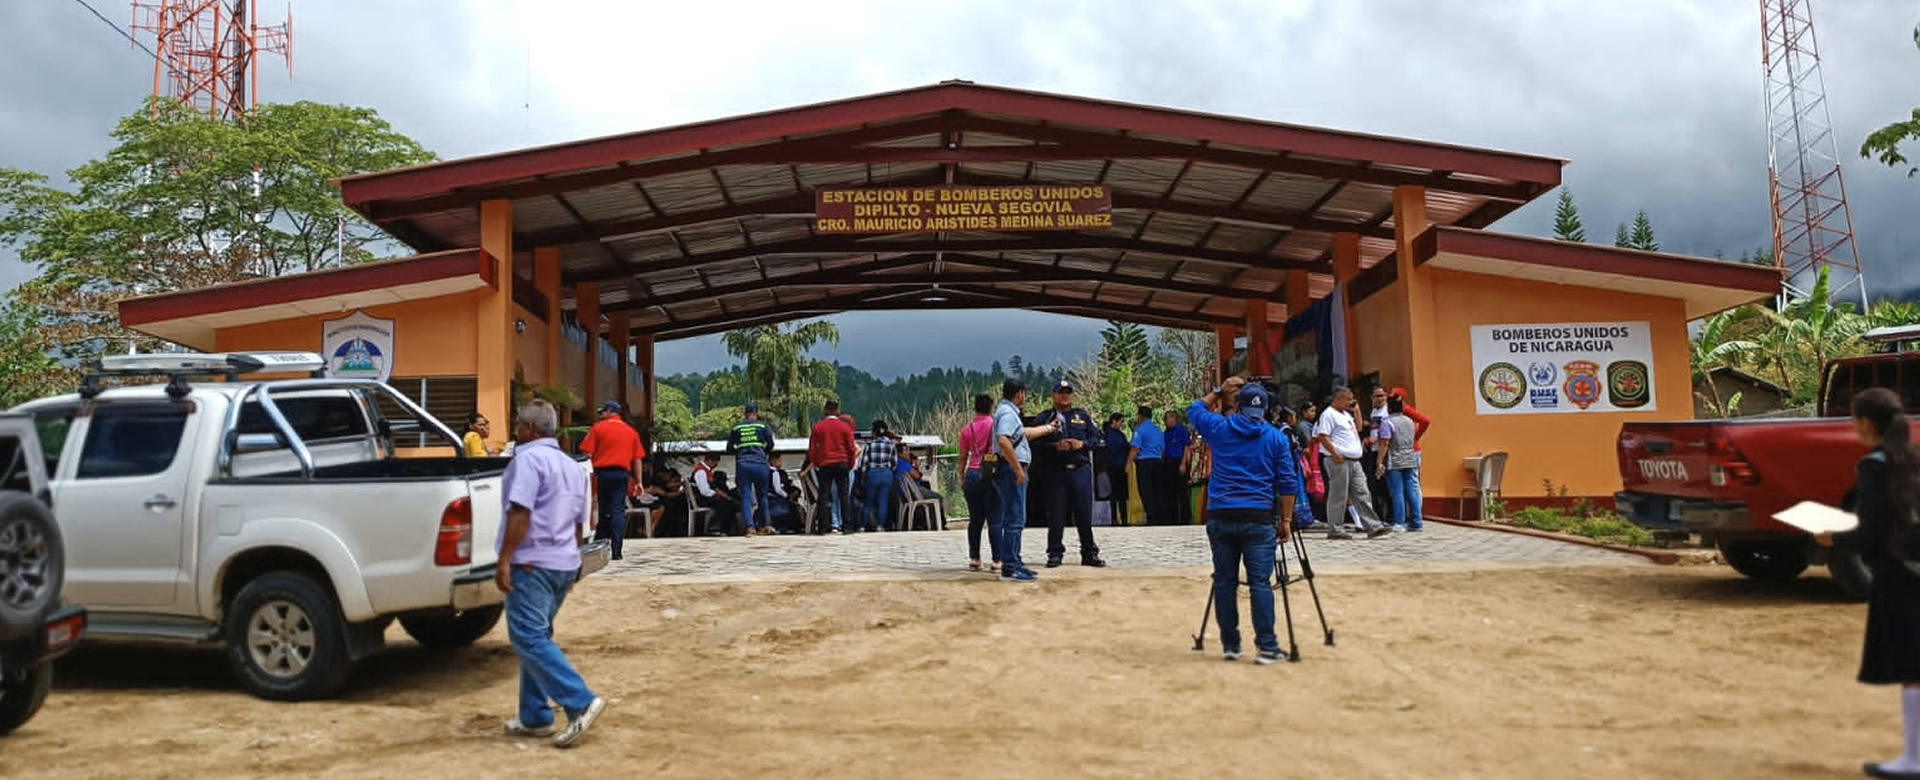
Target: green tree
1621,238
1642,236
1716,347
1123,342
1892,314
1884,144
27,370
779,374
183,202
1566,219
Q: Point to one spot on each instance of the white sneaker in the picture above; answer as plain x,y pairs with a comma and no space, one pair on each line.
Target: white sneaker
516,729
577,727
1230,655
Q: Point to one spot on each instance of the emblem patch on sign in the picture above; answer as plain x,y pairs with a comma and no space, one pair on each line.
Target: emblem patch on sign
1583,383
1542,374
1502,385
1627,383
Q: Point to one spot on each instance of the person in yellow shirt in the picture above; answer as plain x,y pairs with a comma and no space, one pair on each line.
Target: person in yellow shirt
476,438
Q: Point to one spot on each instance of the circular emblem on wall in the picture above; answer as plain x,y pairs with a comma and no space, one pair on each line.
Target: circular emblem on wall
1627,384
1542,374
1583,383
1502,385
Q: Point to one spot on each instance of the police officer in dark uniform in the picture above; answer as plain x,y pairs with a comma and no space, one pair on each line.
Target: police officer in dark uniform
1063,469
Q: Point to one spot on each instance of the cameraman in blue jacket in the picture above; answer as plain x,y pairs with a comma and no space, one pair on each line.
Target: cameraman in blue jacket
1253,474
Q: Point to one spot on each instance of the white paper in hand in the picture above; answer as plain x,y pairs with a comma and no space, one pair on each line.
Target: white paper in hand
1817,518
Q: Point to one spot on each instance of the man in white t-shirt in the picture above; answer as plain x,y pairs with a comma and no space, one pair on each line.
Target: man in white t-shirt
1346,480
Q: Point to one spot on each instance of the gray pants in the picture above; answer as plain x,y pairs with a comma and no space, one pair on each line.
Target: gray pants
1347,487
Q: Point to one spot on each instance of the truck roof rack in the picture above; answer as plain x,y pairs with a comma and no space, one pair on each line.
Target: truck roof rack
1895,338
178,367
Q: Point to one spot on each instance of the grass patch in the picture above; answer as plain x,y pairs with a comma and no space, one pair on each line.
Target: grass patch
1583,519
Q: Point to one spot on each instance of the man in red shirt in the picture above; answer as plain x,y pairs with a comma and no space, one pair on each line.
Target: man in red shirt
616,451
830,452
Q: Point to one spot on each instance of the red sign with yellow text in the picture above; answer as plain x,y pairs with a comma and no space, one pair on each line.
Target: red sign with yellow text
840,210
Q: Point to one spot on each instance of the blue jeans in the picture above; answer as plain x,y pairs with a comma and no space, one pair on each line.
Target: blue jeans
1010,504
756,486
1403,486
545,673
612,485
980,512
1251,542
877,490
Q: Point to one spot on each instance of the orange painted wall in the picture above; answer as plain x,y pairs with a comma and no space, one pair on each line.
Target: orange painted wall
1572,449
1383,337
432,337
530,348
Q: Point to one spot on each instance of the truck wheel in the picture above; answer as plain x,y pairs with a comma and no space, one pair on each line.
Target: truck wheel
1850,571
1772,560
21,696
32,564
457,629
286,639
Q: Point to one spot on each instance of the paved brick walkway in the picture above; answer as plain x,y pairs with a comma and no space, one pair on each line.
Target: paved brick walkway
1158,550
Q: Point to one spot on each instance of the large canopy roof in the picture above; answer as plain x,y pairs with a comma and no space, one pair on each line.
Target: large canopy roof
704,227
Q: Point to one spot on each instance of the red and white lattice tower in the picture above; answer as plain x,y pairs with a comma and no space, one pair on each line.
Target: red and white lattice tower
209,52
1812,227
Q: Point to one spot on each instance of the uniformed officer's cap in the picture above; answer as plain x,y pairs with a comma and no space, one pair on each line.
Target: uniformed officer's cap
1063,386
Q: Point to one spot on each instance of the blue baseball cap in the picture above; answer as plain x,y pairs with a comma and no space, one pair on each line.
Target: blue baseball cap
750,408
610,406
1253,401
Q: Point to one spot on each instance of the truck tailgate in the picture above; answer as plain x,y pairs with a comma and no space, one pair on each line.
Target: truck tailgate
489,513
1669,459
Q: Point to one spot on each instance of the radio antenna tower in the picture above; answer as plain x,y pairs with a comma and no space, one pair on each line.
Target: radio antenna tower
208,52
1812,226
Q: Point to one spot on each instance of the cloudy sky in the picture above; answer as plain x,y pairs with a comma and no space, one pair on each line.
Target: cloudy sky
1656,102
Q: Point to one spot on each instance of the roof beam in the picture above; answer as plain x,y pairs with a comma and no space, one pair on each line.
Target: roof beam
841,245
968,298
775,152
797,205
861,277
1119,146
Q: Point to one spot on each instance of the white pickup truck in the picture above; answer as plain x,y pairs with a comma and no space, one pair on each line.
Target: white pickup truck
272,517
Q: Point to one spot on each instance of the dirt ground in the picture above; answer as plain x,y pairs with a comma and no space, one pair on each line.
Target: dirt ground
1631,672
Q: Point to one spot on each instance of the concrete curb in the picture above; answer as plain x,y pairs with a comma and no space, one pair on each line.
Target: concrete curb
1662,557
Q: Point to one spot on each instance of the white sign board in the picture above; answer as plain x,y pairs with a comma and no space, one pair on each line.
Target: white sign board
358,347
1548,368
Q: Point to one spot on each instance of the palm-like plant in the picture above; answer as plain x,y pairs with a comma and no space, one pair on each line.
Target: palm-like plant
1719,346
778,370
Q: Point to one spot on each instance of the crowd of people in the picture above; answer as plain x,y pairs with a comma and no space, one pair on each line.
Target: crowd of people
1358,469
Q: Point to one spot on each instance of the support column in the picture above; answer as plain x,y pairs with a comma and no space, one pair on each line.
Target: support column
493,319
619,330
643,358
1299,293
1346,266
1222,351
586,306
1409,221
546,279
1259,358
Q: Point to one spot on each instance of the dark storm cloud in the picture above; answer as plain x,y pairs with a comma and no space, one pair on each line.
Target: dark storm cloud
1657,103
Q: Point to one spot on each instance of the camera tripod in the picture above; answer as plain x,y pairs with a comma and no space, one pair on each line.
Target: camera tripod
1282,578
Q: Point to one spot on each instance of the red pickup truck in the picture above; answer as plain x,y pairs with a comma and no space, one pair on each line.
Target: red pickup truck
1724,479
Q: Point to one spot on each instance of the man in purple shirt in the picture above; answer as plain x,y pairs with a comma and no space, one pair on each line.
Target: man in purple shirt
545,496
